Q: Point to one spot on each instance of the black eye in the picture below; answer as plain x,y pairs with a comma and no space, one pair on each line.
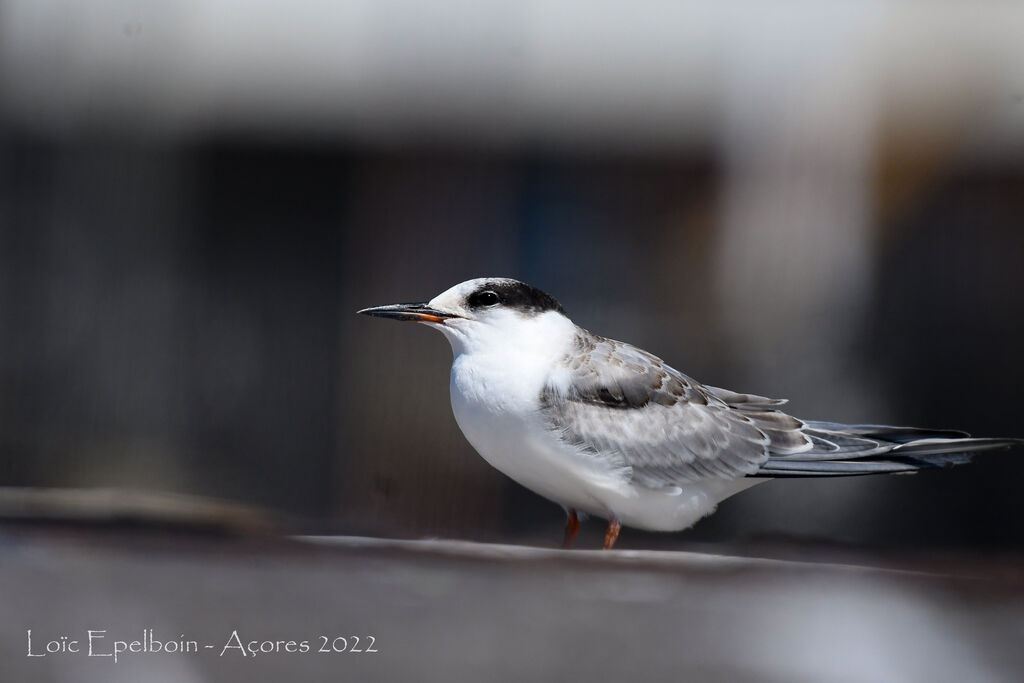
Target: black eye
484,298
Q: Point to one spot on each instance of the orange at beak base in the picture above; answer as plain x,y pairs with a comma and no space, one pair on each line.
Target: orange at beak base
420,312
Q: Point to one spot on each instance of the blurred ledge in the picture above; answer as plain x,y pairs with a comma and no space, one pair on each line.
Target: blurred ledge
506,552
99,516
122,508
1002,570
452,610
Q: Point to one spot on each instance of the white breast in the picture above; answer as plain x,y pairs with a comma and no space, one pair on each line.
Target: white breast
510,434
497,376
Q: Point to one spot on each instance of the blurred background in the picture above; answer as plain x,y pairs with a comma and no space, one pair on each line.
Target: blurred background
817,202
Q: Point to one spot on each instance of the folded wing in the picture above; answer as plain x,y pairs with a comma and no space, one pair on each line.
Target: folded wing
627,408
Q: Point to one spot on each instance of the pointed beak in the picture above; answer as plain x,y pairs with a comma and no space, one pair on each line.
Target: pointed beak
421,313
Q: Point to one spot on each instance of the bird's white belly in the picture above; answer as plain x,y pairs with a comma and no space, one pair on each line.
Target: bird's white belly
512,436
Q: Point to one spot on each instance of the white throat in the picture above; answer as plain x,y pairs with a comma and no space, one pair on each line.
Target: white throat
502,363
540,338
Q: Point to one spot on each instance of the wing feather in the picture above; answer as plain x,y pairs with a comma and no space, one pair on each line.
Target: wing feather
626,406
648,421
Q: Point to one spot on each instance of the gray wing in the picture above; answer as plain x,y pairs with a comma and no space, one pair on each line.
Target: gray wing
629,409
635,414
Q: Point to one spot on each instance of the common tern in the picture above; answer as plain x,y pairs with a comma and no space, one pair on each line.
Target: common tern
604,428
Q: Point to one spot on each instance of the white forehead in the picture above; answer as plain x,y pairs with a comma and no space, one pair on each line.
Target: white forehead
456,296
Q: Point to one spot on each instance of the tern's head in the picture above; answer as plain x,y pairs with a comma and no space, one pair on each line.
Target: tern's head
485,311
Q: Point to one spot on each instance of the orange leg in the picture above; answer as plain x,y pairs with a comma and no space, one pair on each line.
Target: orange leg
572,529
611,534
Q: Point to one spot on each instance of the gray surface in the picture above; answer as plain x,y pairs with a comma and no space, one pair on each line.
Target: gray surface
443,610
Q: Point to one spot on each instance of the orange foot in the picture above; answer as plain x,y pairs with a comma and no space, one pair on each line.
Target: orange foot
611,534
572,529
